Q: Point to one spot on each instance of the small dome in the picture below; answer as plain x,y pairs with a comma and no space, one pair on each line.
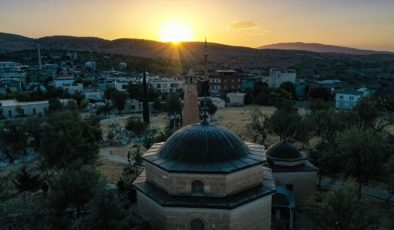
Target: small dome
203,144
285,154
283,150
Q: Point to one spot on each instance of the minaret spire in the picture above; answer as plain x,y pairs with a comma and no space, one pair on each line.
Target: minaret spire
206,74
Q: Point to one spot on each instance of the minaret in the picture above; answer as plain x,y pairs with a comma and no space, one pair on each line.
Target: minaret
203,84
190,111
206,74
39,57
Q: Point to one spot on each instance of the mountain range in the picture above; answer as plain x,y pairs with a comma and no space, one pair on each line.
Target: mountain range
183,51
320,48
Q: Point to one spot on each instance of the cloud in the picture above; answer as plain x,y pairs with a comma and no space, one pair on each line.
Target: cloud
251,28
245,24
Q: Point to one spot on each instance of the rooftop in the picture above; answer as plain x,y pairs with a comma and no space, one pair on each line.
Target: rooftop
205,149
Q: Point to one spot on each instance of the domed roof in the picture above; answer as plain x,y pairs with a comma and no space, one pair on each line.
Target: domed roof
204,148
203,143
283,150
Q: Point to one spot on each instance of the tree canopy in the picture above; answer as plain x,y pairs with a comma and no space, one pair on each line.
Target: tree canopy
66,138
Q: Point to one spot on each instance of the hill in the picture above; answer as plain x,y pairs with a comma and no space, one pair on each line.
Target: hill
321,48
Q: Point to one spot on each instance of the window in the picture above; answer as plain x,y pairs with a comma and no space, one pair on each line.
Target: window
34,110
9,113
197,187
197,224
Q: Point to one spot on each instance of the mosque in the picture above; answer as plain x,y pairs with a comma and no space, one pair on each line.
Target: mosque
206,177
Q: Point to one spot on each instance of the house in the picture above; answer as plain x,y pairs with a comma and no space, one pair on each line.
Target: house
167,85
276,77
60,82
248,83
94,95
10,107
347,98
217,101
10,85
121,85
235,99
90,65
224,81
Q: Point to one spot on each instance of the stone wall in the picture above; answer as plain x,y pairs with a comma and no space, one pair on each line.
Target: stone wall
254,215
304,183
218,185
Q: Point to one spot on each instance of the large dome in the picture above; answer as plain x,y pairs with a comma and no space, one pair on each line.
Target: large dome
203,143
204,148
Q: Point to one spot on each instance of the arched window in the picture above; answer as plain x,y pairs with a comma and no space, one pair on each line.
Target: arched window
197,187
197,224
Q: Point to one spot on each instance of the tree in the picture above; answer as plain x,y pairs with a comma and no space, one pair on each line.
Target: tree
320,93
285,122
27,182
54,105
105,211
109,92
327,158
33,127
212,108
328,123
119,100
105,109
13,139
174,109
289,87
78,97
66,138
279,97
260,125
364,154
19,110
138,160
342,209
366,113
110,136
135,91
135,125
149,138
145,101
73,186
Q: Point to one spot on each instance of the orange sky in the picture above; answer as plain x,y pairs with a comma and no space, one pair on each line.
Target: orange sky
364,24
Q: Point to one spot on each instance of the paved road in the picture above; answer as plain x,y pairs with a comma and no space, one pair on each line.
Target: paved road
114,158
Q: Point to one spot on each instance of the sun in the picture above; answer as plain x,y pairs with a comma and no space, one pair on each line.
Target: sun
175,32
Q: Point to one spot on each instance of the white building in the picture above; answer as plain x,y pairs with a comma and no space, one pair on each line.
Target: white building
277,77
29,108
91,65
63,81
235,99
217,101
95,95
121,85
347,99
122,65
7,65
167,85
